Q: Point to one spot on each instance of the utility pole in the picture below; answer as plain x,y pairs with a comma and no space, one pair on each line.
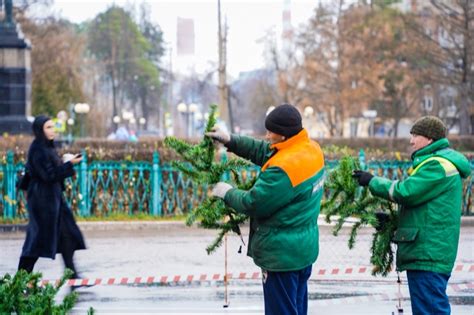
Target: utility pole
223,93
171,108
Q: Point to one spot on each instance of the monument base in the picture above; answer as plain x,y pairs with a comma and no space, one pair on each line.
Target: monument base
14,125
15,81
11,38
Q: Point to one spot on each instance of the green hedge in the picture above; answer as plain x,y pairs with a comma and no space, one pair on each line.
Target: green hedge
334,148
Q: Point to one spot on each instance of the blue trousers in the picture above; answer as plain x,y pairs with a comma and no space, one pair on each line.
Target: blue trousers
286,293
428,292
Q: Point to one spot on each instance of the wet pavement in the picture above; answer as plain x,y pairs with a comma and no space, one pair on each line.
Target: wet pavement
171,249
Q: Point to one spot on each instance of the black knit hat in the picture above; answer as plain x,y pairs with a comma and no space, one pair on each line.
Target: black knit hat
284,120
430,127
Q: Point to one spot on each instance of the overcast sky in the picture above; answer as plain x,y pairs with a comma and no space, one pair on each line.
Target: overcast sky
247,21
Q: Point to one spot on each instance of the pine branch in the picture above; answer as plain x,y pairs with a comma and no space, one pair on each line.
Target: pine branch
346,199
198,164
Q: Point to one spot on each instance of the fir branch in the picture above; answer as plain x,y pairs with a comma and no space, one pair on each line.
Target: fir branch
186,169
207,144
198,164
346,199
217,242
353,236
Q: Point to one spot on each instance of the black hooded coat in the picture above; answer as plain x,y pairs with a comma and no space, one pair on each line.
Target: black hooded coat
49,215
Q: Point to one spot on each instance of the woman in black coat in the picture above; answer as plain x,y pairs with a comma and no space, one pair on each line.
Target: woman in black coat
51,227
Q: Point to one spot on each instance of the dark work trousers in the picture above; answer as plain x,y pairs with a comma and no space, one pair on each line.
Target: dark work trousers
66,246
428,292
286,293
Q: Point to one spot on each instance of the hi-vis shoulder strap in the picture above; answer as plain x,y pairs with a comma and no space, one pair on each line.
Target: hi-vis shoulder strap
449,168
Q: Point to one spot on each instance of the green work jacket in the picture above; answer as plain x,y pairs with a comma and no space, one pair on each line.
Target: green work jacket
284,202
430,214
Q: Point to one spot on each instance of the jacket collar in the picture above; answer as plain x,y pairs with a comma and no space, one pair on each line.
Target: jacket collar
430,149
302,136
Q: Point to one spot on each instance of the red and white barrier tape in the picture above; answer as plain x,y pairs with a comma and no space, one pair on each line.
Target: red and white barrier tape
316,274
368,270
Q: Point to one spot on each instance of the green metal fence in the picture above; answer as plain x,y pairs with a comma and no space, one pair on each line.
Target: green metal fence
102,188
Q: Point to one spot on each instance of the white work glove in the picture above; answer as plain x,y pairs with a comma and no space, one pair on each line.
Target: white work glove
219,134
221,189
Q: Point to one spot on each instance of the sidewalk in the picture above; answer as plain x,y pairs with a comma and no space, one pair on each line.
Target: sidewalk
466,221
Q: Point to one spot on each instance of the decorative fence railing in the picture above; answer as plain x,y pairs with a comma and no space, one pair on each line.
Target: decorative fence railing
102,188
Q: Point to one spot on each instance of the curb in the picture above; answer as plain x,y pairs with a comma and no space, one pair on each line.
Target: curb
103,226
466,221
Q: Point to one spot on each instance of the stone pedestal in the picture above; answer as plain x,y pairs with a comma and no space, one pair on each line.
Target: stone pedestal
15,81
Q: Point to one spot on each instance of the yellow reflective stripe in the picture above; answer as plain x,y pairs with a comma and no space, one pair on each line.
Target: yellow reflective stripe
449,168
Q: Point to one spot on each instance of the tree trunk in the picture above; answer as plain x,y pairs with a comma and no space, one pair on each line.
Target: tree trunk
396,122
114,97
464,115
143,97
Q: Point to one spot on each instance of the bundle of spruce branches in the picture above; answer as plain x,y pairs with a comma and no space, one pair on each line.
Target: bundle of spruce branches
23,293
200,165
347,199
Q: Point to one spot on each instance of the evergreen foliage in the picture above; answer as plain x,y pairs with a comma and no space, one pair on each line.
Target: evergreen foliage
199,164
346,199
22,294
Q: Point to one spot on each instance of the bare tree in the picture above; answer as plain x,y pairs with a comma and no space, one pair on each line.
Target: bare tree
388,55
309,73
451,52
251,96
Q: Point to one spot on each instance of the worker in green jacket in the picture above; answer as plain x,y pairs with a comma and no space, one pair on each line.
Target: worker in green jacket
430,202
283,206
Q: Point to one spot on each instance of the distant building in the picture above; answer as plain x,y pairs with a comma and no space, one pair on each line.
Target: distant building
287,27
185,37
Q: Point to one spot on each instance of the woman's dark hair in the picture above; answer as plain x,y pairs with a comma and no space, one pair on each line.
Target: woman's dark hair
38,131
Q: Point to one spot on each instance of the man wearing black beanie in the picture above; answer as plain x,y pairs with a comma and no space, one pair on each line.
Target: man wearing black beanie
283,206
284,120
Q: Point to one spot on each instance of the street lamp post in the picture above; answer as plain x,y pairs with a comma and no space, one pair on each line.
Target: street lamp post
70,123
188,111
82,109
142,122
308,111
309,120
116,120
183,109
198,116
127,118
192,109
